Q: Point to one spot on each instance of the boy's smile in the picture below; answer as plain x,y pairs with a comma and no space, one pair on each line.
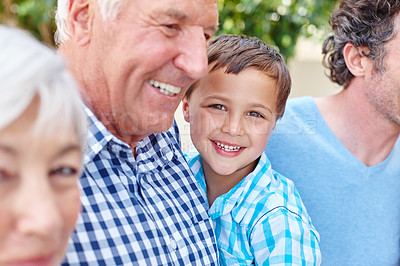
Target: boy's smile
227,149
231,118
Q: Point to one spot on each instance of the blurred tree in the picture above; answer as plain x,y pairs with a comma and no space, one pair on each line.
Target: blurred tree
278,22
35,16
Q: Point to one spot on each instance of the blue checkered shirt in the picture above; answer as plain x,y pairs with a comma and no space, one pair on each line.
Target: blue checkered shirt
262,220
143,211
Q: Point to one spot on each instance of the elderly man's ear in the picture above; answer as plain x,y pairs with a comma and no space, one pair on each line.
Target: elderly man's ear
80,18
356,61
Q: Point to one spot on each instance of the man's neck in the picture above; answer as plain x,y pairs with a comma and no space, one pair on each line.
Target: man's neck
357,124
110,124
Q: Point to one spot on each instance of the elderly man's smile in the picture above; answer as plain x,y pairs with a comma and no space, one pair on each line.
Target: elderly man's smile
165,88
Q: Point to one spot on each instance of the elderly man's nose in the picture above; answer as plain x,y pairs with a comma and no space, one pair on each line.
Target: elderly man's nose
192,57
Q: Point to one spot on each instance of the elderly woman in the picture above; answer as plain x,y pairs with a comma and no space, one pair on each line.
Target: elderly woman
42,132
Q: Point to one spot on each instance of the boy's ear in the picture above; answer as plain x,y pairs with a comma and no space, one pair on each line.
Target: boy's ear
185,109
356,61
80,17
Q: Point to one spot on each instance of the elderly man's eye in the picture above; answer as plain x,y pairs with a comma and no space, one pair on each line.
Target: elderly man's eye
172,26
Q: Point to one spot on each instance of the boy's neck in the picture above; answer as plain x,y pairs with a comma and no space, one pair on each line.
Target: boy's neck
218,185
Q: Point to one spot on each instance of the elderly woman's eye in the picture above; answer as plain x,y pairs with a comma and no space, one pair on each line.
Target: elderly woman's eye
64,171
4,175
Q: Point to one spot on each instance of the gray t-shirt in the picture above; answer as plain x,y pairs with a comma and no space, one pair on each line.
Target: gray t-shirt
355,208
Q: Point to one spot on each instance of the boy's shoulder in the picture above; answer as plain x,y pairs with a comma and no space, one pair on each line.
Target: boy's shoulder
261,196
271,193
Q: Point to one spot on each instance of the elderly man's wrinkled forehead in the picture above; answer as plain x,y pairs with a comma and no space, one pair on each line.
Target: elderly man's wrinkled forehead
202,13
184,9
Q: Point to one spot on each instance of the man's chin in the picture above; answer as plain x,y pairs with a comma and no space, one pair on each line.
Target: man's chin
158,126
163,128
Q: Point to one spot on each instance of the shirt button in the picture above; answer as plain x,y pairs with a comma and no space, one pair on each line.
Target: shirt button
172,244
167,155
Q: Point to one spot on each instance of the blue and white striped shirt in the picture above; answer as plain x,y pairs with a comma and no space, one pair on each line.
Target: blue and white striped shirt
143,211
262,220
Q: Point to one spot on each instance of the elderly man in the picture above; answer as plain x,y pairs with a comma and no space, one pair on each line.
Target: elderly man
343,151
134,61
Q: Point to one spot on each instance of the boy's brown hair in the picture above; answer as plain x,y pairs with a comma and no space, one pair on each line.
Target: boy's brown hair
237,52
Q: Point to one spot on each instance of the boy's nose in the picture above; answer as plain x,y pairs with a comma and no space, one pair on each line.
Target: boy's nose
233,125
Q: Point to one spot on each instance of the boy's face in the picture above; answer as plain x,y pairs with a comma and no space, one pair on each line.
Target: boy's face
39,193
231,118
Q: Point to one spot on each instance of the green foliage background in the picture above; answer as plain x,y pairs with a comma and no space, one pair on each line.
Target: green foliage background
278,22
36,16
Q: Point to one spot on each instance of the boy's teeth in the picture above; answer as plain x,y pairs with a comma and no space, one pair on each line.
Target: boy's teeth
165,88
227,147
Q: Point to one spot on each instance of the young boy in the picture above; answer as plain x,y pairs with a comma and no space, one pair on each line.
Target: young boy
258,215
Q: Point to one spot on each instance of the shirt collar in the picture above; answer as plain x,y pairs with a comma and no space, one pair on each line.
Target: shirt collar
152,152
157,150
238,200
98,136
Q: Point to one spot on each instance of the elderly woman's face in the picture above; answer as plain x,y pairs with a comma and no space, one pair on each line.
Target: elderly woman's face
39,194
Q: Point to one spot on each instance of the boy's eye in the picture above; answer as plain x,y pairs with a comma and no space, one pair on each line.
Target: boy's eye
64,171
218,107
255,114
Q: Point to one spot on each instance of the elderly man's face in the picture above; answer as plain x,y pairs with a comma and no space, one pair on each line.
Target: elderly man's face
147,58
